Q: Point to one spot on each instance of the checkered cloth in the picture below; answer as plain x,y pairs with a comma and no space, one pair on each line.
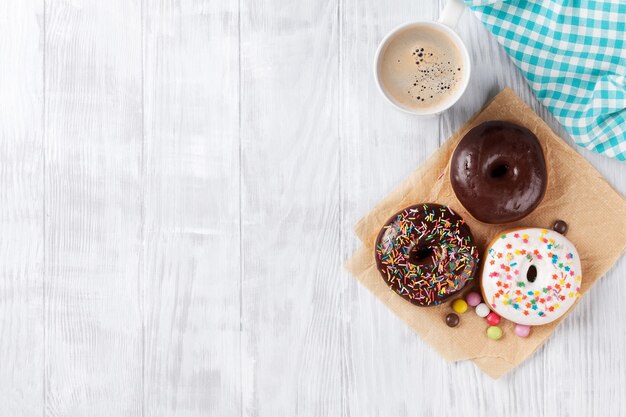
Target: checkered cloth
572,54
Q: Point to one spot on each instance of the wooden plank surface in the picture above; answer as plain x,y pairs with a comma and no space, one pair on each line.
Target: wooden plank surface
179,183
191,270
21,209
290,209
93,134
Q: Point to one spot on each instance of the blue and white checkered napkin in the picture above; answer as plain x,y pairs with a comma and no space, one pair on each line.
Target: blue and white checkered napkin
572,52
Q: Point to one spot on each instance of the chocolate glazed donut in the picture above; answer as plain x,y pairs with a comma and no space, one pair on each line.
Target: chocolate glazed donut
498,172
426,253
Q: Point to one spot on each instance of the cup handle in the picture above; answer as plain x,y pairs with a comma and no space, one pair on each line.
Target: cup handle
452,13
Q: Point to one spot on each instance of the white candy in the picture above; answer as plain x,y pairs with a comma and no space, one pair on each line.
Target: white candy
482,310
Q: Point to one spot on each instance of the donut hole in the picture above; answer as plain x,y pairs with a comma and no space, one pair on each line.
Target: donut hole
499,171
422,255
531,274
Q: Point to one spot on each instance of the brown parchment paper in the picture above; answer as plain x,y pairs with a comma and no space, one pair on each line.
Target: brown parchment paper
576,193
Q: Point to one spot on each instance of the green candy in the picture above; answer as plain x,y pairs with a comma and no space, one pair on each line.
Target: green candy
494,333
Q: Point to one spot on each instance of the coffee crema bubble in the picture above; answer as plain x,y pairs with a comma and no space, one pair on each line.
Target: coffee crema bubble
421,68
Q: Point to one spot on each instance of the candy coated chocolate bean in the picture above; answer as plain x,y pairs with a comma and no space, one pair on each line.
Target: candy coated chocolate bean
460,306
560,227
452,320
493,319
522,330
482,310
494,333
473,298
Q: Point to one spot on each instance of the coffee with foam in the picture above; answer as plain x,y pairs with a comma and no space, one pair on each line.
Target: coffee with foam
421,68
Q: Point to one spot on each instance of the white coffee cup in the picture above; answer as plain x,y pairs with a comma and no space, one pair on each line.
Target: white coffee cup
445,25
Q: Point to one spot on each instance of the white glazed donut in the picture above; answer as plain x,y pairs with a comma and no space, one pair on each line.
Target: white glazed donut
531,276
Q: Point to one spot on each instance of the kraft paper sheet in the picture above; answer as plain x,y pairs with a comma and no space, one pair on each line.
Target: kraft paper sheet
572,182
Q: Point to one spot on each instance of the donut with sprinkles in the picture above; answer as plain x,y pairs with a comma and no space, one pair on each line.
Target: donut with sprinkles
426,253
531,276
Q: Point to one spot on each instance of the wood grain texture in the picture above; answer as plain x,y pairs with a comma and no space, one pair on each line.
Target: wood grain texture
21,209
93,132
173,230
290,209
191,269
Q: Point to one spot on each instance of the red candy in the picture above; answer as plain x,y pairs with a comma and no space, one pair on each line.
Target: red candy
493,319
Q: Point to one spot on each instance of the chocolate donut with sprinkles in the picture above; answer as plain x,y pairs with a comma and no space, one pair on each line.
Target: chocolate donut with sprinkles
426,253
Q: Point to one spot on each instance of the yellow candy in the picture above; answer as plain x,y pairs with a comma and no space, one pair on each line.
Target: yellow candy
460,306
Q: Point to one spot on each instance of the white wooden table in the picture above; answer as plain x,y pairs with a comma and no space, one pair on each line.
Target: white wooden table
178,184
